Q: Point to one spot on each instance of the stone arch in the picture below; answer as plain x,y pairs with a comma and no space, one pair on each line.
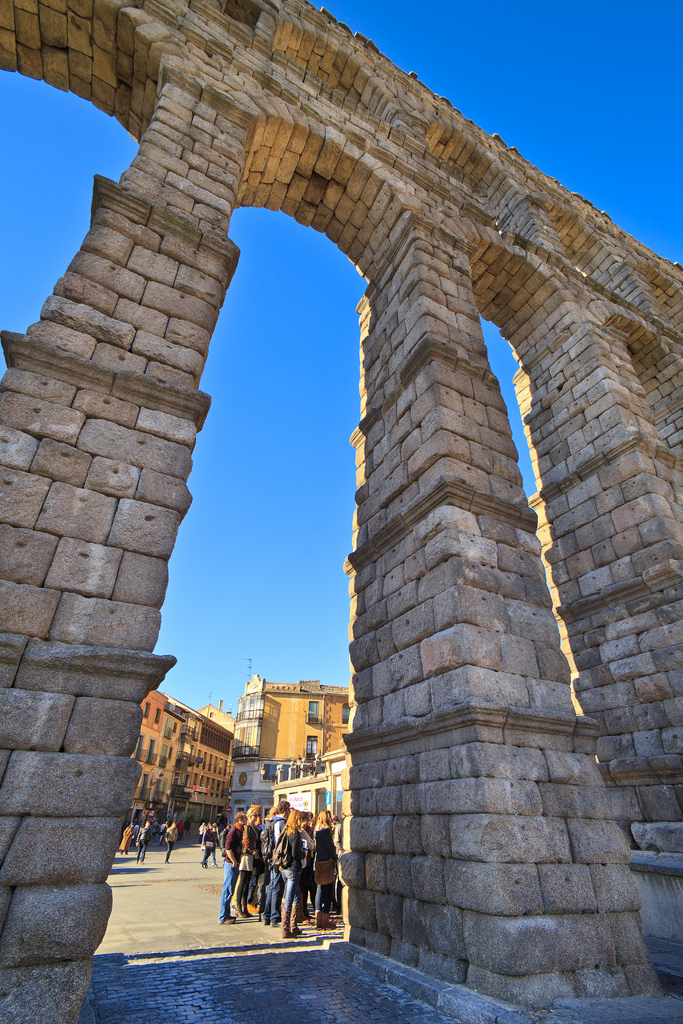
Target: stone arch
476,809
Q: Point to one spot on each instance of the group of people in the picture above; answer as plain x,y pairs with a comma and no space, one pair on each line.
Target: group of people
275,866
140,835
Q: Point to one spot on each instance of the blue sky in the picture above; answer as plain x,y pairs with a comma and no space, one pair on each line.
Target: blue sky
590,93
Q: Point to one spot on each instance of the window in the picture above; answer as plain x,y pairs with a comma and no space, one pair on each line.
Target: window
145,713
167,728
313,708
138,749
311,746
345,714
157,715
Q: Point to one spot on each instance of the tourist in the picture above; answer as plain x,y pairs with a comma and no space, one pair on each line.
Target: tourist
249,847
126,838
232,852
339,847
144,836
325,863
307,881
209,844
290,852
269,838
170,836
180,826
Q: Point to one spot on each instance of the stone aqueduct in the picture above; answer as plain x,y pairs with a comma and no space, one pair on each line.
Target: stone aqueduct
485,847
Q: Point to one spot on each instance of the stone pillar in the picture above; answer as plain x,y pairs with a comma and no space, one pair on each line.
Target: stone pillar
612,533
484,849
99,411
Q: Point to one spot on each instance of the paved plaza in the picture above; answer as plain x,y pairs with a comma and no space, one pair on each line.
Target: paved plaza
166,959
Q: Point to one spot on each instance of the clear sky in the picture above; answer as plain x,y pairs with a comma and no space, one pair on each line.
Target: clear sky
590,93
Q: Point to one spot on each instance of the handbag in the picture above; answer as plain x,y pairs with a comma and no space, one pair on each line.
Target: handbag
324,872
208,846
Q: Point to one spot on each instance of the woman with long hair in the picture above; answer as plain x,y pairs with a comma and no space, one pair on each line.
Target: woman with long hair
306,882
127,838
249,845
292,857
325,863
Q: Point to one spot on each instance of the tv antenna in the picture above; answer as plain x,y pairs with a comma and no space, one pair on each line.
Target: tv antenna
248,661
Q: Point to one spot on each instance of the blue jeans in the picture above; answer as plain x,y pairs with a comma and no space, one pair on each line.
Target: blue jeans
230,876
323,897
271,911
292,890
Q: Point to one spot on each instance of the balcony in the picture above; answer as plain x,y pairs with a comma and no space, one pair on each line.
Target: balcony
189,732
314,720
242,750
162,761
150,757
249,716
178,792
183,759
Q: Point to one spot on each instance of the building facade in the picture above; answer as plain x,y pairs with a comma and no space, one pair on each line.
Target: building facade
186,761
316,790
281,724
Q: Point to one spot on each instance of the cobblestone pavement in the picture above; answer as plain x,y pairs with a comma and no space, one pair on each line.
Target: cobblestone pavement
295,987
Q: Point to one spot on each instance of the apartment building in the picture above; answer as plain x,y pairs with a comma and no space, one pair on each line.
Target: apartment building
284,724
186,760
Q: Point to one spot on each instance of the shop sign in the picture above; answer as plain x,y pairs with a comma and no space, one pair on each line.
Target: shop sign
300,801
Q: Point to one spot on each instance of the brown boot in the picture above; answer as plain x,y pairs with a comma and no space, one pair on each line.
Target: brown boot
319,919
292,922
299,912
286,931
327,922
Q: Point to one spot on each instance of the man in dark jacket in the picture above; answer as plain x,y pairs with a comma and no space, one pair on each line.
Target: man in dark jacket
232,851
276,885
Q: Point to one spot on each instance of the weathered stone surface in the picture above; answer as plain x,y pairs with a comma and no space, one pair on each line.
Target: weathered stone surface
117,479
8,828
48,924
141,580
26,609
77,512
520,945
21,498
159,489
91,671
87,569
61,462
46,851
508,889
101,726
659,838
16,448
11,649
33,721
146,529
25,987
96,622
25,555
499,838
57,785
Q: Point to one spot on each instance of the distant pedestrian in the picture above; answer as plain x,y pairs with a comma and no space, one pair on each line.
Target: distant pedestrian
187,828
171,836
144,836
337,835
181,829
126,839
209,844
232,852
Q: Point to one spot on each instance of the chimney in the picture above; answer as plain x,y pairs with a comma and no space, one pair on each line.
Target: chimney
220,705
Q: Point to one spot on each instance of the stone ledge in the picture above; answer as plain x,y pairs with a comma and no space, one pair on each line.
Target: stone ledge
26,352
445,491
469,1007
470,721
463,1004
110,672
657,863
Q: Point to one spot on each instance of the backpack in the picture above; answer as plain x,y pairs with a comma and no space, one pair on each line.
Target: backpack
282,854
268,840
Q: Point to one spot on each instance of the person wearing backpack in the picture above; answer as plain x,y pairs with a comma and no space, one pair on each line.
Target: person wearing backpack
271,833
290,857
